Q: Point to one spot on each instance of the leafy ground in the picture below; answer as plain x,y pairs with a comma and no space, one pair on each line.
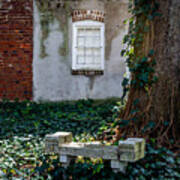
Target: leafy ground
24,125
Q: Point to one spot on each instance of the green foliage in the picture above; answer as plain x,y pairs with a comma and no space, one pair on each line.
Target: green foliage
142,67
46,118
139,58
159,163
22,155
19,155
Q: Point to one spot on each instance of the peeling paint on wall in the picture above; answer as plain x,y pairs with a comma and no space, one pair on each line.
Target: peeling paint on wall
61,10
49,11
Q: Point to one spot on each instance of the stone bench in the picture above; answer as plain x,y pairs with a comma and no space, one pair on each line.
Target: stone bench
130,150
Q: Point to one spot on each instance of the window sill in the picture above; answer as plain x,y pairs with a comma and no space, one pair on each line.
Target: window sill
87,72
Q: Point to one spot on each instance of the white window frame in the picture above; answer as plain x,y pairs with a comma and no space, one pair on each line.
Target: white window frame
87,24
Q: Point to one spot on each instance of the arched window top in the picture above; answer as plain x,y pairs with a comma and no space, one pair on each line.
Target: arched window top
95,15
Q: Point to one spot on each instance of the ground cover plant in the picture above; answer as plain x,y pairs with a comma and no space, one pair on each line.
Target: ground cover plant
24,125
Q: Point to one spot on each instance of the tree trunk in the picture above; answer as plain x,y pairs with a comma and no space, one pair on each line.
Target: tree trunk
161,104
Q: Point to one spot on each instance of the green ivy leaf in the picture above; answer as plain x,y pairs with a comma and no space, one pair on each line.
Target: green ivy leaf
151,52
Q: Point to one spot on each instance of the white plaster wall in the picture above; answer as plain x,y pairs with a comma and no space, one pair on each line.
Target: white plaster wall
91,4
52,78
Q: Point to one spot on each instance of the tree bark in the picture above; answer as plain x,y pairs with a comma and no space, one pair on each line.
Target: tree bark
162,102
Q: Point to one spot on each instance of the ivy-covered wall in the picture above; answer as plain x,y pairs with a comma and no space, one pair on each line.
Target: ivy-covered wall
52,51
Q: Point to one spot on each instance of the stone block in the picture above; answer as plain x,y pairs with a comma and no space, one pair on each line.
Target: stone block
118,166
49,147
53,141
131,149
60,137
64,160
141,143
93,149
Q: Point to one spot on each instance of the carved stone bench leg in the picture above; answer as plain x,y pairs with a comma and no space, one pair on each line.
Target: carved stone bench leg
65,160
118,166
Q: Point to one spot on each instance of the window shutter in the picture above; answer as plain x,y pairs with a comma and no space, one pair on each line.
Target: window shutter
88,45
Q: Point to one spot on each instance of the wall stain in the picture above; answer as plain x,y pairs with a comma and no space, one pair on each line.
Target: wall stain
49,11
115,14
91,82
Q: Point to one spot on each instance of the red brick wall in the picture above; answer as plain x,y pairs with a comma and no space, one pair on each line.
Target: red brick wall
95,15
16,49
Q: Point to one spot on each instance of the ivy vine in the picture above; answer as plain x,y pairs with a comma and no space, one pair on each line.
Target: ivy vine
140,59
140,65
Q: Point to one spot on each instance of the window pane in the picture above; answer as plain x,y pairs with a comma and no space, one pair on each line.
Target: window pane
89,60
96,42
89,42
96,32
80,59
89,32
89,51
92,32
81,32
97,59
88,48
97,51
80,42
80,51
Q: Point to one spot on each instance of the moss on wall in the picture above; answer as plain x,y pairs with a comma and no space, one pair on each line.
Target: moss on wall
61,10
49,11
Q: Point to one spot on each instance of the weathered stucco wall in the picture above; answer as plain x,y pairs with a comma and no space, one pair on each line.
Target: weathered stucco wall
52,74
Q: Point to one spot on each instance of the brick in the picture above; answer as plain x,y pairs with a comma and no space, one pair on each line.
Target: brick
16,50
95,15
